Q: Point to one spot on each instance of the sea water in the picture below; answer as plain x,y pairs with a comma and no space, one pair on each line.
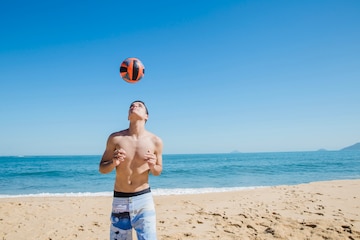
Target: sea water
182,173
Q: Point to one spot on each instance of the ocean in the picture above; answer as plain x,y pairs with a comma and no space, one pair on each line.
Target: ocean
182,173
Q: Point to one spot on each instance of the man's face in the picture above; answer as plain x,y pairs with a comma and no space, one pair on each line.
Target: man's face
138,109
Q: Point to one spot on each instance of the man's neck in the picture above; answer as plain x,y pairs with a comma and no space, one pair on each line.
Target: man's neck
137,128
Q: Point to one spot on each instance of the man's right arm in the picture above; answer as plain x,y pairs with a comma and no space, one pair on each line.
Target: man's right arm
106,166
107,163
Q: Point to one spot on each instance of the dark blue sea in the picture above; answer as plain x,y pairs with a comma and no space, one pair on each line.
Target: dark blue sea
182,173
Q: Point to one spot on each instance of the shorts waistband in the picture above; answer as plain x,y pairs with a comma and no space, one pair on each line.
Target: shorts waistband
133,194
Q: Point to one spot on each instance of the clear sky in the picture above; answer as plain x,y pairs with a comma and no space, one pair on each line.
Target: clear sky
251,76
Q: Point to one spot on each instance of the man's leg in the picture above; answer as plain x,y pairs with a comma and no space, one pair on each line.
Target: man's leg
120,228
144,217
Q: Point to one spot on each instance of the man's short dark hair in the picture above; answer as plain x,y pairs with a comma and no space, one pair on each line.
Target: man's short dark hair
147,112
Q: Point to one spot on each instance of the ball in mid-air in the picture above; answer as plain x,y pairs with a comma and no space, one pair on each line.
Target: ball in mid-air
132,70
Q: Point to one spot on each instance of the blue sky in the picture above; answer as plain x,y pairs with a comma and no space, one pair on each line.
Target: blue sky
251,76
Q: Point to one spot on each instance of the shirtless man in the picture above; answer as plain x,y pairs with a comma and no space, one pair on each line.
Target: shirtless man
133,152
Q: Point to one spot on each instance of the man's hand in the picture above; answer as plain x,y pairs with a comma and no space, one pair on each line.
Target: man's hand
119,156
151,159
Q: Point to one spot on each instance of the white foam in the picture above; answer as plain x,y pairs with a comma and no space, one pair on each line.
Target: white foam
181,191
156,192
79,194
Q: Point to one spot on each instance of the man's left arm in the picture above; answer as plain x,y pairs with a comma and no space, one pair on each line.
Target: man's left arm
156,164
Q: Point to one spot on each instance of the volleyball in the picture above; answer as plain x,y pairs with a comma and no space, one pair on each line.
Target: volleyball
132,70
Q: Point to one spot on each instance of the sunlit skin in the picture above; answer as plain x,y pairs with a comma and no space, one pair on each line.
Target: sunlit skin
133,152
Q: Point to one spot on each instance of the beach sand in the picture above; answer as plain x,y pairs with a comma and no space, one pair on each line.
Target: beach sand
320,210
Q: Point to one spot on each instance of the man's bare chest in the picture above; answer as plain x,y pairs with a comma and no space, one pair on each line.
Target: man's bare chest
135,147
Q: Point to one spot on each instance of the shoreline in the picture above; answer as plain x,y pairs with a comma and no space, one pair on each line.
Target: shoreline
317,210
155,192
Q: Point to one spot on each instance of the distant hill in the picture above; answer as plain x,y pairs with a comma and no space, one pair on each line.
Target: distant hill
322,150
356,146
235,151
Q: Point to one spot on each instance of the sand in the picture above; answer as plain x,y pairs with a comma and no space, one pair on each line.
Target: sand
320,210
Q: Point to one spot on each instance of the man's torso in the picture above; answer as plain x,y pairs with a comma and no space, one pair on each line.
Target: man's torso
133,173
